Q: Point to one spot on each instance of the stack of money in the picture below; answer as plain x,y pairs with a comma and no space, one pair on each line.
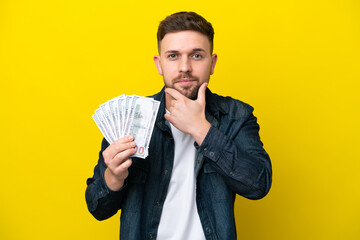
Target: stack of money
128,115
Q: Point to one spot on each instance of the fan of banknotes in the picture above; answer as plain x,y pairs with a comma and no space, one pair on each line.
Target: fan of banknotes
128,115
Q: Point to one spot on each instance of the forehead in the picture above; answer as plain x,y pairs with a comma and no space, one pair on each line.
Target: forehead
184,41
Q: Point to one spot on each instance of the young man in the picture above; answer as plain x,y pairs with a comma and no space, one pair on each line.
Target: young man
204,150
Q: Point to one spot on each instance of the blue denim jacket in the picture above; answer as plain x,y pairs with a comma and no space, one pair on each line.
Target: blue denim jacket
231,160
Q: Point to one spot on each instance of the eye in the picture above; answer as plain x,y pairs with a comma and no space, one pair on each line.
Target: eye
196,56
172,56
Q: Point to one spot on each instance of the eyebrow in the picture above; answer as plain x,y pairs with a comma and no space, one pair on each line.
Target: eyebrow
193,50
198,50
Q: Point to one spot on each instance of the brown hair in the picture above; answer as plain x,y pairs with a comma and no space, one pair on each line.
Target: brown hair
182,21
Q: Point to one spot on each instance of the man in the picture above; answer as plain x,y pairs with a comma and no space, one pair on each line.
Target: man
204,150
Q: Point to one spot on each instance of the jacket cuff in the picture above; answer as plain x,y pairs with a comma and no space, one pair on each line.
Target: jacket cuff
210,147
102,192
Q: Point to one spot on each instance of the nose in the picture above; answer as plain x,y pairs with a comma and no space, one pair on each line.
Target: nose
185,65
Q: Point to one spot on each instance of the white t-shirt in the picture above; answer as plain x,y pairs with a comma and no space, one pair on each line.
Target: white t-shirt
180,219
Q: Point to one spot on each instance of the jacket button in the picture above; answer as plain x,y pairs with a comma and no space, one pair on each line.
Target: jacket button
151,236
166,172
212,154
158,203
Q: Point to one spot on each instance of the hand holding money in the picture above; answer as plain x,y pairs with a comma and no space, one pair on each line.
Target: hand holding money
116,158
128,115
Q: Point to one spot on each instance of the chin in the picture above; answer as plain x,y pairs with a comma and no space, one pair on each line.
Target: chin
190,94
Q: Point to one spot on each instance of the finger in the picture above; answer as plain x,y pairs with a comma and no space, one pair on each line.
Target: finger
174,93
125,139
168,117
121,157
126,164
171,104
201,94
171,107
118,146
123,168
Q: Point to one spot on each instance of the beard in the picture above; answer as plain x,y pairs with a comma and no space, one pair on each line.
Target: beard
190,91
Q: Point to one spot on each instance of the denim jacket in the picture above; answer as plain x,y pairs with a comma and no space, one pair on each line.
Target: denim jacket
231,160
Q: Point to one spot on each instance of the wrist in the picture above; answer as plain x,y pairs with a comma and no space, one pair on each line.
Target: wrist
200,132
112,182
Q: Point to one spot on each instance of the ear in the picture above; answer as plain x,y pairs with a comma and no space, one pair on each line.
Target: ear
213,63
157,63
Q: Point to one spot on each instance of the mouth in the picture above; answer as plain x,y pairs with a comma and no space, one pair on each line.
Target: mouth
185,81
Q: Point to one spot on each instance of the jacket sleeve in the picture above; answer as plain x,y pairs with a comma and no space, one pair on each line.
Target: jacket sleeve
101,201
237,154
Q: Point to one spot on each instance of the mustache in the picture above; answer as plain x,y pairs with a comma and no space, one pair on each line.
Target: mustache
187,76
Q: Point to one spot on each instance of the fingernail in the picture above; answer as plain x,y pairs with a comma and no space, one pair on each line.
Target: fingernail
130,137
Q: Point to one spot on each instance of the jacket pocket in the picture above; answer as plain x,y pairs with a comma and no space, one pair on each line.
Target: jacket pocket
219,190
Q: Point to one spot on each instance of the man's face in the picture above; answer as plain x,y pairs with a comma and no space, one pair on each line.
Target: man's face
185,61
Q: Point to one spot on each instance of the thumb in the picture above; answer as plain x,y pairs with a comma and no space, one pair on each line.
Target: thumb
201,94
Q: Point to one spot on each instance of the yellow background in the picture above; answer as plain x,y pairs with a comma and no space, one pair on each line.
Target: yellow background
296,62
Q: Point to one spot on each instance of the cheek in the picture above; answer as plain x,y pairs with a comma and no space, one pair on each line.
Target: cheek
205,70
168,69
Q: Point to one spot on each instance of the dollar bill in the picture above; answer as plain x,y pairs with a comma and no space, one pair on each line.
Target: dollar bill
104,120
102,128
128,115
155,109
140,116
